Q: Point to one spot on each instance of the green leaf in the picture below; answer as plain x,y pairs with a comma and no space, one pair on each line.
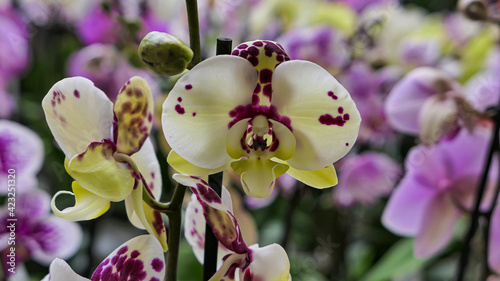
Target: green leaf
399,261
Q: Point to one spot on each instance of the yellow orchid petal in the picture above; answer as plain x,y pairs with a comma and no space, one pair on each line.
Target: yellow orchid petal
101,174
181,165
284,149
237,147
322,178
150,218
87,205
149,167
134,110
258,174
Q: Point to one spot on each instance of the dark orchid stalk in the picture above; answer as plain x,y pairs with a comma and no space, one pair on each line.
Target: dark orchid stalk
224,46
476,212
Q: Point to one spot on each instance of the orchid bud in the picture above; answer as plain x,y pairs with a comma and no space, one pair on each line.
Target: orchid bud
474,9
164,53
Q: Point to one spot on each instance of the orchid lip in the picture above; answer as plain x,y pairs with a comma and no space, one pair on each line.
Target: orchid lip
251,111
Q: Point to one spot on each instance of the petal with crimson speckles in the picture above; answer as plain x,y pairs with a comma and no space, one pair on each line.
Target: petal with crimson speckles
194,227
134,115
217,215
149,167
139,259
216,87
310,96
150,219
77,113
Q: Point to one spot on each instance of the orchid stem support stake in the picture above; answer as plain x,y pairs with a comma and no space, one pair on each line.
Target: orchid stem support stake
224,46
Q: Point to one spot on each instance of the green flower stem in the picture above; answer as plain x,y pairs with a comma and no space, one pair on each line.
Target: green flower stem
173,210
175,219
159,206
194,32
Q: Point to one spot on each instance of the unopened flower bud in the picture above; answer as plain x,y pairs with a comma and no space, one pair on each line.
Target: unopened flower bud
164,53
474,9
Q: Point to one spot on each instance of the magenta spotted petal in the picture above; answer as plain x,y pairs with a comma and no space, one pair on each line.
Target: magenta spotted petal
101,144
247,263
194,227
217,215
21,155
139,259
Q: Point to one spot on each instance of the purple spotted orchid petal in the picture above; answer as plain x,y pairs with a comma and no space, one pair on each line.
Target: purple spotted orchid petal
140,214
21,150
200,109
324,118
143,216
194,227
139,259
133,115
217,215
149,167
78,114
